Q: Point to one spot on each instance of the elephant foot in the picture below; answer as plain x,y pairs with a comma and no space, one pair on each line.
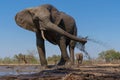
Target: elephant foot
63,62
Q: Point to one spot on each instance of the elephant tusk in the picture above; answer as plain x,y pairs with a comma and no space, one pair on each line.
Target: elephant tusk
42,32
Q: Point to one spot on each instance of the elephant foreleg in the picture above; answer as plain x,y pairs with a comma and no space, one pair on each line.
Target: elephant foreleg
63,48
41,49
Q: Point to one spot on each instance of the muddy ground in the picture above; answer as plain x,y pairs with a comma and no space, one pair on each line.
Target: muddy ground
82,72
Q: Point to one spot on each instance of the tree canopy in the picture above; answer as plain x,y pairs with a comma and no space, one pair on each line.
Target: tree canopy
110,55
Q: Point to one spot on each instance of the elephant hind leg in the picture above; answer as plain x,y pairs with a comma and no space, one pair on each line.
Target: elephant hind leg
63,48
71,50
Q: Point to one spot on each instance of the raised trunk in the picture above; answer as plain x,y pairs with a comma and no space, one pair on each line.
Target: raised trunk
55,28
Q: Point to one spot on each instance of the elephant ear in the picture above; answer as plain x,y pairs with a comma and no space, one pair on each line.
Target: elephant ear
55,16
58,20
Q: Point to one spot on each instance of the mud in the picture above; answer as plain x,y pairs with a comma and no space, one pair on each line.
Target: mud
82,72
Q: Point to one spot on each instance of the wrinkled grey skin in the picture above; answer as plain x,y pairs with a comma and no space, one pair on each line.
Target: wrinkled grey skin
79,58
58,28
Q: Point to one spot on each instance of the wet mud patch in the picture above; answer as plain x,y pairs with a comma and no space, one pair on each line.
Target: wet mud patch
93,72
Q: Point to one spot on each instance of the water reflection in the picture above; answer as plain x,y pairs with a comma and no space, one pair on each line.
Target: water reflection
17,70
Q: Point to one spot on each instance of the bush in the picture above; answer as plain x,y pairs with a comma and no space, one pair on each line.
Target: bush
53,59
109,55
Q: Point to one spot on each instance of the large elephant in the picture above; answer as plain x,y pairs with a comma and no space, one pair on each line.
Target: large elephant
50,24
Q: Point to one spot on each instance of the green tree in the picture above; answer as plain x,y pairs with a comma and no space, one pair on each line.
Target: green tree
109,55
20,58
53,59
1,60
7,60
26,58
31,59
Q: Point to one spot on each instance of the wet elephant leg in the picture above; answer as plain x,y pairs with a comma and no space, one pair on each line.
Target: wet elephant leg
64,54
71,50
41,49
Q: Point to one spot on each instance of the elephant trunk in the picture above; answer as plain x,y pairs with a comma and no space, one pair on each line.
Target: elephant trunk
55,28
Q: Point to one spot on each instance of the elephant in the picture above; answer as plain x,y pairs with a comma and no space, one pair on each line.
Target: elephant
79,58
50,24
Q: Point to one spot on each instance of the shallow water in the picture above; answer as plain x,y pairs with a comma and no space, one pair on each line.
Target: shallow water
17,70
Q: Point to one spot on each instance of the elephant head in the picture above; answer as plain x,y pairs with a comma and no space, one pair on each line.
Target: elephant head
25,20
45,17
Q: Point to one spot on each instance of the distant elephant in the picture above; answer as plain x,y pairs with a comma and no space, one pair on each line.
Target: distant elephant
79,58
50,24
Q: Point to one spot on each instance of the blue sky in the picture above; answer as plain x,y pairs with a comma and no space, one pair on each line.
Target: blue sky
97,19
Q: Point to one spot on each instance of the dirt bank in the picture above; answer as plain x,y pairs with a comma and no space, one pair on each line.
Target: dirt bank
91,72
